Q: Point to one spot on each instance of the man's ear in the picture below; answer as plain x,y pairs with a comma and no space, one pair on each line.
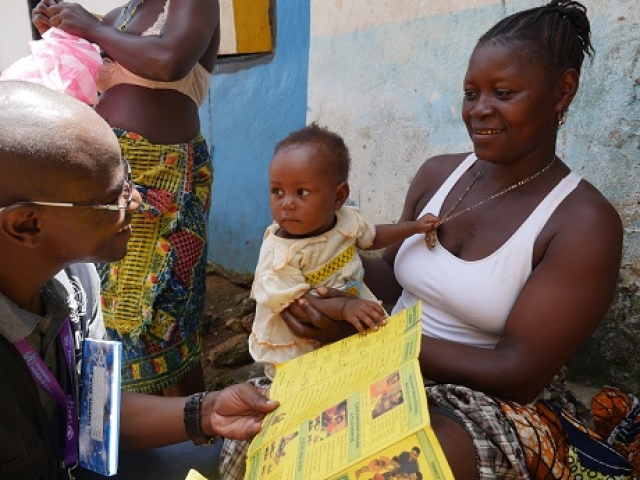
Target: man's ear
568,84
22,225
342,193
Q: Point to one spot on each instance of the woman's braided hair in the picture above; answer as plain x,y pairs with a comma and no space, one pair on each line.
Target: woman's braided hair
557,33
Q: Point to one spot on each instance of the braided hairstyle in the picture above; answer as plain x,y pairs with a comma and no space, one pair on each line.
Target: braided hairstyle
557,33
320,137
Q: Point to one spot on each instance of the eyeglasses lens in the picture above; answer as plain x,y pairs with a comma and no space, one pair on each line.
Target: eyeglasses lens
127,187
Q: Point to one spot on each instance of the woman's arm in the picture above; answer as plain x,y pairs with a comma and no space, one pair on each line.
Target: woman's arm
561,304
577,259
186,35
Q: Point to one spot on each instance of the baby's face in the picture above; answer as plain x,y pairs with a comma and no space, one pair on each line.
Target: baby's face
303,192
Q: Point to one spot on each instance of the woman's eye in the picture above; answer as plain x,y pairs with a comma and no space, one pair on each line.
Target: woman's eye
468,95
503,94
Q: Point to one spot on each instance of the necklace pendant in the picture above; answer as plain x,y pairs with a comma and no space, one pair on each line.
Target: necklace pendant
430,239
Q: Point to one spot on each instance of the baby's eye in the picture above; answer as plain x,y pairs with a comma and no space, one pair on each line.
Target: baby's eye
303,192
276,191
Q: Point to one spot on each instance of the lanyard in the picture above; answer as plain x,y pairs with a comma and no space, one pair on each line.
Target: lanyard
66,400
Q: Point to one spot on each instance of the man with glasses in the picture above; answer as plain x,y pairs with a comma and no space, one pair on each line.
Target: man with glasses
66,198
124,199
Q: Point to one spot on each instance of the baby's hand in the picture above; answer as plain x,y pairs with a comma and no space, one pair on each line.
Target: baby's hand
426,223
363,314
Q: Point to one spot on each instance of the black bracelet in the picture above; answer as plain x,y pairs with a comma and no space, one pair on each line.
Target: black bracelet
193,420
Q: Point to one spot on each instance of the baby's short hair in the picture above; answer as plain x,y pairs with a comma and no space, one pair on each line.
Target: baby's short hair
316,135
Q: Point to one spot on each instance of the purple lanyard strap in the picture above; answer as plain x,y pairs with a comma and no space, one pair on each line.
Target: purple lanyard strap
66,400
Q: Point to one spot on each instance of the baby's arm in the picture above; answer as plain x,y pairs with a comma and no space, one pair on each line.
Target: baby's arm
389,234
362,314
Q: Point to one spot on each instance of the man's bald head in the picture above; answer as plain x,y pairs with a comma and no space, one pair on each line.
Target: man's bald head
49,140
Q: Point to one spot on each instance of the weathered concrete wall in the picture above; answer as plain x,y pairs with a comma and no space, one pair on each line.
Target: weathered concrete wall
388,76
251,106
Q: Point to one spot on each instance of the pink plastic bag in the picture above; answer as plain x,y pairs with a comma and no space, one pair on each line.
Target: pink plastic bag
62,62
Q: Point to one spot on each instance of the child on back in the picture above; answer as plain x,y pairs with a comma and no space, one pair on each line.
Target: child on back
312,243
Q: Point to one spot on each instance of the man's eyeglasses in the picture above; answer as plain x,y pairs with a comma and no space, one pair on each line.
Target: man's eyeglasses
124,200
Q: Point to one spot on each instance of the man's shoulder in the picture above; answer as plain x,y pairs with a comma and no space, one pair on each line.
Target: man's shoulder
84,272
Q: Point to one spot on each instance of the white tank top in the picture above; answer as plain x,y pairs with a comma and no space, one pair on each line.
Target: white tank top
464,301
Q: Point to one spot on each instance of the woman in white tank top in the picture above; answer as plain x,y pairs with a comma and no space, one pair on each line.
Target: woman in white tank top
523,266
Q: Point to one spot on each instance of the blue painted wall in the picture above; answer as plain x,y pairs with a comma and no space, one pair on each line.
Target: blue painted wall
248,112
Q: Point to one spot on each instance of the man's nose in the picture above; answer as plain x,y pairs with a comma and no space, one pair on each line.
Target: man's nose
136,200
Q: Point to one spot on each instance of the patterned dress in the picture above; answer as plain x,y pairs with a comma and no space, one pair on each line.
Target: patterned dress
153,298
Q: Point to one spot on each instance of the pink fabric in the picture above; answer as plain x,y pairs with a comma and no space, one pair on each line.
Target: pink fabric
62,62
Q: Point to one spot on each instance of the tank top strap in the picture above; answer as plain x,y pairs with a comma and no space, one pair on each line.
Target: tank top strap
435,204
539,217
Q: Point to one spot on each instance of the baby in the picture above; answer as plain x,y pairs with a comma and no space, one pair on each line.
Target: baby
313,242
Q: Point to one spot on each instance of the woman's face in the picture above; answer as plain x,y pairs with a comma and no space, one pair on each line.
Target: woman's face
304,196
509,104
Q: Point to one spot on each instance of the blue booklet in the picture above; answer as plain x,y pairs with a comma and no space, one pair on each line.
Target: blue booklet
100,406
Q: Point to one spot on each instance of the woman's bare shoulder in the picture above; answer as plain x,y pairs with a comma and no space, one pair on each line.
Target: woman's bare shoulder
442,164
435,170
586,223
588,206
430,175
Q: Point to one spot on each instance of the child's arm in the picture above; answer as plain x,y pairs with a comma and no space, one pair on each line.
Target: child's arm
276,292
362,314
389,234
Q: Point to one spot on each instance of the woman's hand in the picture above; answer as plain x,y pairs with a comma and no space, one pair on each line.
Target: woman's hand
70,17
306,320
40,15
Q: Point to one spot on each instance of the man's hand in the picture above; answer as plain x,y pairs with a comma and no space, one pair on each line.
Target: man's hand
235,412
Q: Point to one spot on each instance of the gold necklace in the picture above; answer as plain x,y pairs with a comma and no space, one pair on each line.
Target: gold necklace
127,16
432,236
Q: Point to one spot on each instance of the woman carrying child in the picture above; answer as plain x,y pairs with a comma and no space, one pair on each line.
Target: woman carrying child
521,271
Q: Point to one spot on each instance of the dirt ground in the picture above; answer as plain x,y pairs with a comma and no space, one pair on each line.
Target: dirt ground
226,303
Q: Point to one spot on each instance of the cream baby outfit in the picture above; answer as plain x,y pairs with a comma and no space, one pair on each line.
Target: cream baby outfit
289,268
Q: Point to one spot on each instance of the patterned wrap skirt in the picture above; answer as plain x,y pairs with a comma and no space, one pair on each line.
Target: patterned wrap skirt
554,437
153,298
540,440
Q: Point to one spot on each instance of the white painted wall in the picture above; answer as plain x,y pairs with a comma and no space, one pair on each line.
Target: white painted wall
15,25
